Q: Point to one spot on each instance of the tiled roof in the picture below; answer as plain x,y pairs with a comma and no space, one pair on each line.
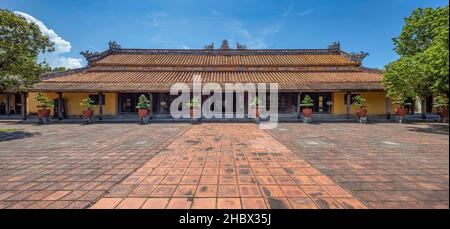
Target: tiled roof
145,81
175,59
120,69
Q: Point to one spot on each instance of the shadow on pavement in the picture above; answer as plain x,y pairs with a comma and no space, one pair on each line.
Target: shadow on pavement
431,128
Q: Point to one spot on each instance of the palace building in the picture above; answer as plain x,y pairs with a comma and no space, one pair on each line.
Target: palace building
115,79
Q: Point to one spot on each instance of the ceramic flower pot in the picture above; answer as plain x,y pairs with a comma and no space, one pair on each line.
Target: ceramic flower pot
442,112
255,112
194,112
307,112
143,113
361,112
43,113
87,114
401,111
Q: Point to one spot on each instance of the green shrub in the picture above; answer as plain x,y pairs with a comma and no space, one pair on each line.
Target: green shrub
87,102
307,102
359,101
402,101
143,103
193,103
43,101
440,101
256,102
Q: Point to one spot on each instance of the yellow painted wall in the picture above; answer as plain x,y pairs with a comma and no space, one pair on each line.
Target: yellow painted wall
72,103
376,102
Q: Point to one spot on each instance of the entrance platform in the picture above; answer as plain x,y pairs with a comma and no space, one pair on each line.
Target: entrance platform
284,118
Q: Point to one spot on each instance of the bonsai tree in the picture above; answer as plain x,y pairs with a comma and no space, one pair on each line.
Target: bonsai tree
256,102
194,106
88,103
193,103
359,101
89,113
361,111
43,101
401,111
307,102
143,103
441,105
144,108
440,102
401,101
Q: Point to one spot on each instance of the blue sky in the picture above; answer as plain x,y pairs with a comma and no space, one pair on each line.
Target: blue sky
365,25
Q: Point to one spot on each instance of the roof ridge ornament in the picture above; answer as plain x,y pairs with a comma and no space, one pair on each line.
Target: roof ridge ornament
209,46
240,46
113,45
90,56
358,56
335,46
225,45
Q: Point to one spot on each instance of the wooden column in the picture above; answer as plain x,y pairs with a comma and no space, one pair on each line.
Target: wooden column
100,106
349,96
24,106
299,97
117,105
60,106
8,103
150,100
388,108
424,107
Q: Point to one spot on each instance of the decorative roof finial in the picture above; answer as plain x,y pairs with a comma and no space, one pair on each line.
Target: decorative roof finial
114,45
335,46
225,45
90,56
359,56
210,46
240,47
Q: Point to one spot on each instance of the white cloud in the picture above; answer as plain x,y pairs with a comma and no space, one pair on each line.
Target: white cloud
273,29
290,11
70,62
55,59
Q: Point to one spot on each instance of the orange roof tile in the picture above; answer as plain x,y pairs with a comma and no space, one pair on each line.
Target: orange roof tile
145,81
224,60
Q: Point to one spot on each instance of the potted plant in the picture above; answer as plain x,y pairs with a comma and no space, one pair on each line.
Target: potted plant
44,104
143,107
88,113
255,105
441,105
401,111
361,107
194,107
307,104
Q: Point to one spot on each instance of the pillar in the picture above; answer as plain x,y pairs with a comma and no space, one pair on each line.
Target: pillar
388,108
60,106
349,96
424,107
24,106
100,106
299,97
8,103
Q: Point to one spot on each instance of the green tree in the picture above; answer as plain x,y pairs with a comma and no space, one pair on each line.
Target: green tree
422,68
60,69
20,44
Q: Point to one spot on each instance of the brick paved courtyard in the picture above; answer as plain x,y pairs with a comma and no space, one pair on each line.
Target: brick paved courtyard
325,165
